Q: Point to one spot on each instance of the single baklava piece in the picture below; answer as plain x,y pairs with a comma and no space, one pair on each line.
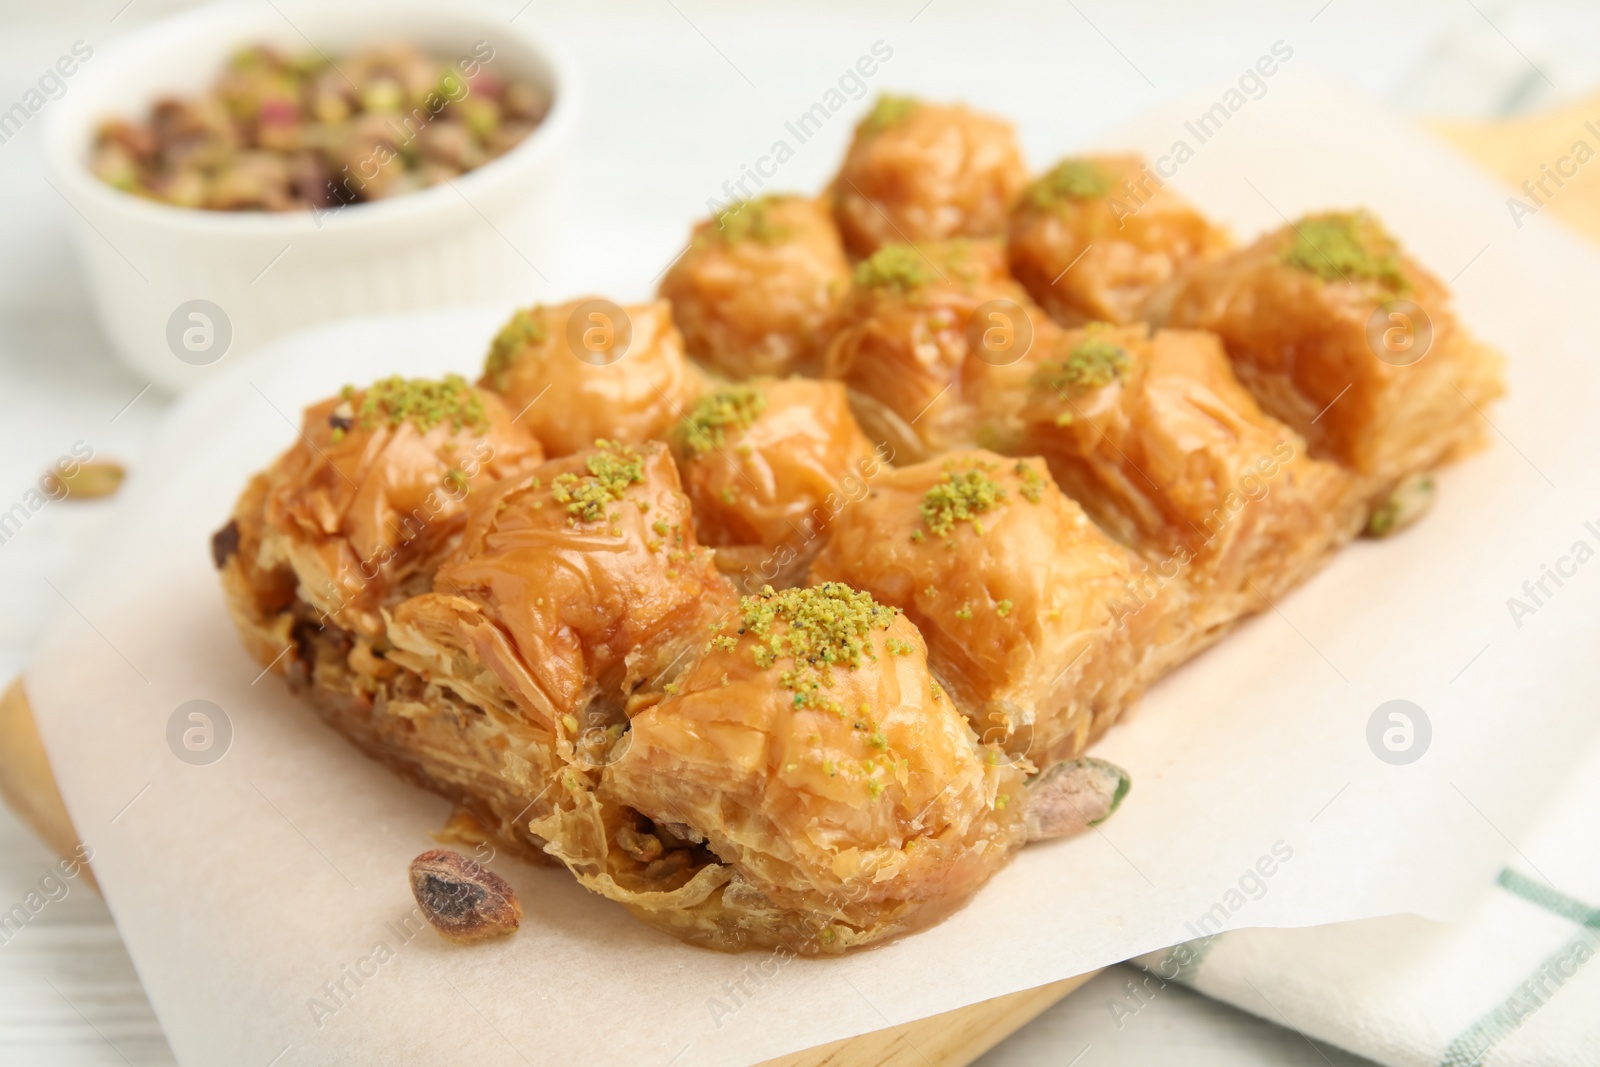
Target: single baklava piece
590,370
574,585
925,172
937,345
767,464
1096,237
1164,448
357,514
756,290
1029,611
1349,341
841,798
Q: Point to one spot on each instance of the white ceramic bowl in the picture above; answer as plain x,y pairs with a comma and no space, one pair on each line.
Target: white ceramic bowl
477,241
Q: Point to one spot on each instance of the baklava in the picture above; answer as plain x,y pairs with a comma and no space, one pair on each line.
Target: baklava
1350,342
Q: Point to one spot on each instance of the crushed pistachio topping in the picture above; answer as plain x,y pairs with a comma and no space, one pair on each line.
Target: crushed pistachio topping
1003,608
820,630
718,415
749,220
963,495
1346,246
524,328
424,402
612,468
1093,363
889,111
1032,483
1071,179
826,627
896,266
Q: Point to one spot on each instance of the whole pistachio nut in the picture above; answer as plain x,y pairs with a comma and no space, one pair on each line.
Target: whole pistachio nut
1405,504
1067,798
465,901
92,480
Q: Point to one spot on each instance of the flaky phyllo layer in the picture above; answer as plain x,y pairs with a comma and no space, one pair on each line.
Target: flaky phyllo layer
800,662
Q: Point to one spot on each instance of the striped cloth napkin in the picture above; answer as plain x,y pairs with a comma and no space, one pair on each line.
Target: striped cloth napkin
1511,986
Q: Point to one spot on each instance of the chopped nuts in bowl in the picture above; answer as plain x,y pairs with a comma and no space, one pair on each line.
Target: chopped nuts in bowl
294,131
244,170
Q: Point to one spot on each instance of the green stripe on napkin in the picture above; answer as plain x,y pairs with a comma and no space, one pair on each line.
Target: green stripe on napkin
1550,900
1474,1043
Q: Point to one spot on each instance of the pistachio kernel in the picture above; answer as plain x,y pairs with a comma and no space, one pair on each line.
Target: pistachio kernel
463,900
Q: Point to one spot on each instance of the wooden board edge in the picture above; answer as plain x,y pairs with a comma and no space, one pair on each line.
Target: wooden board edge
27,784
1539,148
952,1039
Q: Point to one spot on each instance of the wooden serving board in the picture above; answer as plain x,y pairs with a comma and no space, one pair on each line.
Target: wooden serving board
1515,151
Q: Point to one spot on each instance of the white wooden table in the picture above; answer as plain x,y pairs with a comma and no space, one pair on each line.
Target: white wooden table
667,118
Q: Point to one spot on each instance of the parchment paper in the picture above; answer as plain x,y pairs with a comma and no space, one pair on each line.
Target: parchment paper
255,889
